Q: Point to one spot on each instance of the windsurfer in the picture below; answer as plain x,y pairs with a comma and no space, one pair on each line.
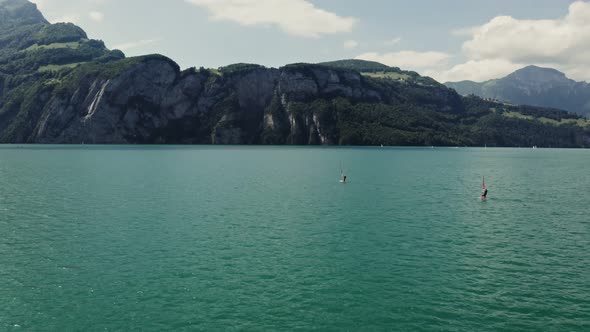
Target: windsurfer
484,190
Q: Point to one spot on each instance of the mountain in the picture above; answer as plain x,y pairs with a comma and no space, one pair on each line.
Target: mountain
59,86
533,85
378,70
359,65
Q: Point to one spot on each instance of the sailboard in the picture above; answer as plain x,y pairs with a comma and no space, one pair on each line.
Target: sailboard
483,189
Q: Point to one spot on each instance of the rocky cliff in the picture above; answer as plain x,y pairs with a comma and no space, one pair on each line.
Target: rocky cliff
59,86
149,100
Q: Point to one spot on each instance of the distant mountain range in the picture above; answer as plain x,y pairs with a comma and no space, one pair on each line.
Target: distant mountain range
59,86
535,86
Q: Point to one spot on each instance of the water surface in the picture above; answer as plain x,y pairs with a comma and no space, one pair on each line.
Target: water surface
266,238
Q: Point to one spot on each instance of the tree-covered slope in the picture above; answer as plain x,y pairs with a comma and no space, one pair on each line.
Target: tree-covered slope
379,70
59,86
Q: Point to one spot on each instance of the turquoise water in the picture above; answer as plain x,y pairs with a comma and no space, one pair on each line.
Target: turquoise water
209,238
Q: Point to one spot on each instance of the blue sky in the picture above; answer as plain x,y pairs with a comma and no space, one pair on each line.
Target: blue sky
448,40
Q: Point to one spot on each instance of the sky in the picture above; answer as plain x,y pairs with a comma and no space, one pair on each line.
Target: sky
448,40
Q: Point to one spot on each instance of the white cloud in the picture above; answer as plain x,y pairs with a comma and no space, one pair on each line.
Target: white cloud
96,16
66,19
475,70
463,32
134,44
577,72
295,17
57,15
410,60
40,3
507,38
393,41
351,44
505,42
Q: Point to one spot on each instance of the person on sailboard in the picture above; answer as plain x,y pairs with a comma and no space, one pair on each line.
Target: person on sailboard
343,178
484,194
484,190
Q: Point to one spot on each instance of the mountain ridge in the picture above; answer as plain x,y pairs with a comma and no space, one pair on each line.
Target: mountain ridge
59,86
532,85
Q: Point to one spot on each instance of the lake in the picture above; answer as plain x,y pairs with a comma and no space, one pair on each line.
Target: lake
132,238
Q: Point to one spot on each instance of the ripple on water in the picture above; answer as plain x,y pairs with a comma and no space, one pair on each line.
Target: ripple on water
267,239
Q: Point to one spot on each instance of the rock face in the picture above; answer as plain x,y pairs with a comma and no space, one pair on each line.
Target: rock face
533,85
153,102
101,110
149,100
57,86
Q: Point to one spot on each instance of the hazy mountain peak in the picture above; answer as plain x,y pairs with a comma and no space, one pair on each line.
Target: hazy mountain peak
537,74
533,85
19,13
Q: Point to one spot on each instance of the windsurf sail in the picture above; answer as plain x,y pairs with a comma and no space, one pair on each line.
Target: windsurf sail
342,174
484,191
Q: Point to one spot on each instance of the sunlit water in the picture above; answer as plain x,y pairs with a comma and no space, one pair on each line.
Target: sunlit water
240,238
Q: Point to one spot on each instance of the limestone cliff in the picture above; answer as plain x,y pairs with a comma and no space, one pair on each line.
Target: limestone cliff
59,86
152,101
